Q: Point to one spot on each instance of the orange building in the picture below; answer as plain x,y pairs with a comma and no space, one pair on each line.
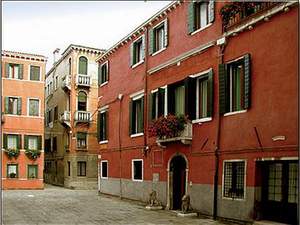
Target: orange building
22,121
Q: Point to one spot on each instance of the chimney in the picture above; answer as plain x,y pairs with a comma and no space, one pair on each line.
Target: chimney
55,55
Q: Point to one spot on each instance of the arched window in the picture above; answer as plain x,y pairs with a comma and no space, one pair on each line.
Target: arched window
82,101
70,66
83,65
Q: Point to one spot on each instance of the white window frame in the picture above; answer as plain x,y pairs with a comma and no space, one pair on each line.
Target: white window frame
154,29
102,161
245,182
87,100
40,76
101,65
165,100
141,38
32,98
136,96
86,142
132,170
78,65
103,110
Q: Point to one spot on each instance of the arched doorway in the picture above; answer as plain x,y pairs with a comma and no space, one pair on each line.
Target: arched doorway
177,181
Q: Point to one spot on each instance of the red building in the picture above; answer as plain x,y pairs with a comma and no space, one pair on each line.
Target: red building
22,120
234,75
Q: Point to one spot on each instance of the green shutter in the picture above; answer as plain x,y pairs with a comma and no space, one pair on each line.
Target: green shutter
25,141
211,11
151,41
222,89
130,117
6,102
210,92
19,106
161,101
5,141
98,126
190,97
106,125
190,17
166,33
132,54
21,71
6,70
99,75
142,114
107,71
143,47
150,108
171,99
39,142
19,141
247,81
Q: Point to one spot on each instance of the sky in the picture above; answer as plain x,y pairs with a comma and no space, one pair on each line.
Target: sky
41,27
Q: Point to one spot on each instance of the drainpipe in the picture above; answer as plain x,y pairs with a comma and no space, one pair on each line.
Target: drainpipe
120,97
145,150
217,148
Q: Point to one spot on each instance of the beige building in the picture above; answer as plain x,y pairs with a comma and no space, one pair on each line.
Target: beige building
71,118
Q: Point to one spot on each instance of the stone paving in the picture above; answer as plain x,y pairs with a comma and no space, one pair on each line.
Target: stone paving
56,205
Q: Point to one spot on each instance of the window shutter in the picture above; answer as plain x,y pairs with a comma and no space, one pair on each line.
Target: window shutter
190,97
40,143
210,92
130,117
171,99
98,126
21,71
106,125
25,141
211,11
247,81
151,112
6,102
143,47
19,141
5,141
190,17
107,70
6,70
151,41
222,89
142,114
19,106
131,54
99,74
166,33
161,101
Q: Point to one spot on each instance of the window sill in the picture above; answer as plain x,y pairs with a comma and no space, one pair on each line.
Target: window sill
106,82
201,29
136,135
234,199
104,178
202,120
135,180
159,51
82,149
235,112
137,64
103,142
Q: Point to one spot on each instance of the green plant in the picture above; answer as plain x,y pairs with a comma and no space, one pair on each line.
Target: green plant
12,153
167,127
33,153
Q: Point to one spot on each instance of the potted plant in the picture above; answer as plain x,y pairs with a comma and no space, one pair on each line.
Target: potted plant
32,153
12,153
167,127
229,11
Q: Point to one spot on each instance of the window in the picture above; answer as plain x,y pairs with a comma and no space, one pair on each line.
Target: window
56,82
81,140
234,183
81,168
34,107
48,145
69,168
11,141
47,168
14,71
136,115
137,169
104,169
200,14
158,37
70,66
235,85
32,172
54,144
157,103
49,116
137,51
12,171
55,113
33,142
13,105
102,125
35,73
83,66
103,73
82,101
176,99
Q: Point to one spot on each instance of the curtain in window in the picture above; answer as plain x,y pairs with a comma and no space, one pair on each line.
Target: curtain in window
33,107
179,100
11,170
203,14
13,106
11,141
32,143
83,65
32,171
35,73
82,101
203,98
138,116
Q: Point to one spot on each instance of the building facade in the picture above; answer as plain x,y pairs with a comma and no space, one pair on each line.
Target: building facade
71,100
234,76
23,77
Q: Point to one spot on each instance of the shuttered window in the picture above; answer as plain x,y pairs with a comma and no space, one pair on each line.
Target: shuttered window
157,103
32,172
13,71
137,51
33,142
81,168
103,73
136,114
13,105
82,101
83,65
12,141
158,37
81,140
34,106
35,73
103,126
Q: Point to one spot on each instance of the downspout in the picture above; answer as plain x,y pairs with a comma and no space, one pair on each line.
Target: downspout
120,97
217,148
146,148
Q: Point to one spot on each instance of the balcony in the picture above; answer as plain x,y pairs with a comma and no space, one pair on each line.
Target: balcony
185,137
65,118
82,117
83,80
2,118
237,13
66,83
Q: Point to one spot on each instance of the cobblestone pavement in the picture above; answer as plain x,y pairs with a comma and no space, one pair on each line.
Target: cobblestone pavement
56,205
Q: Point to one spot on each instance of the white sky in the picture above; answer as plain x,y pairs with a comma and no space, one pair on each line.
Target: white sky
40,27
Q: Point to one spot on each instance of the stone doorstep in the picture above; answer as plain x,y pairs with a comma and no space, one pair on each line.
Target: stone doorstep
154,207
267,222
191,214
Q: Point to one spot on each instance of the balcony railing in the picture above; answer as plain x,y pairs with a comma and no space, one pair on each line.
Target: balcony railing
83,117
65,118
185,136
83,80
66,82
238,12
